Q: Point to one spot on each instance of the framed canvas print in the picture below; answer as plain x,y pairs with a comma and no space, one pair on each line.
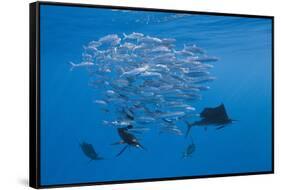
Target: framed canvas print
122,94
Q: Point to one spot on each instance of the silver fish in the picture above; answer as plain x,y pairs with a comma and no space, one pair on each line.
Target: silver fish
144,80
173,130
150,40
133,36
111,39
171,114
193,48
82,64
101,102
135,71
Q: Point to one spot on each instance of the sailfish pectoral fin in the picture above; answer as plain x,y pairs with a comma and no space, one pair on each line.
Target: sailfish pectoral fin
123,149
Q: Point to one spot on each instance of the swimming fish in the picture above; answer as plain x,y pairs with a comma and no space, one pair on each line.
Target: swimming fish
215,116
133,36
101,102
193,48
82,64
111,39
146,81
128,139
135,71
90,152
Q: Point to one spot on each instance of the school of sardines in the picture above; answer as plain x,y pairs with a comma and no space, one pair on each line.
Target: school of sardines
144,81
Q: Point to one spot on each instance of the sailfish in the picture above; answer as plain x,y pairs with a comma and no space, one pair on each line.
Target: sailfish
215,116
128,139
89,151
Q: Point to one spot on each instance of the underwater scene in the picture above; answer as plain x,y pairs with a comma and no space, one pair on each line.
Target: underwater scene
137,95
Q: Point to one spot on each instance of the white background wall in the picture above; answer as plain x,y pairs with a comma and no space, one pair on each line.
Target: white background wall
14,93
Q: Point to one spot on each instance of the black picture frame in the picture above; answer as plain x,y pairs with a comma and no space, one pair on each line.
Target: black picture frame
34,93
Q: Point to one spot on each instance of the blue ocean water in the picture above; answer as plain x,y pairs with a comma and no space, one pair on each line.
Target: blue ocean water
69,116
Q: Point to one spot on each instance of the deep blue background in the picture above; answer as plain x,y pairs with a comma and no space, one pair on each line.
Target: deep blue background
69,117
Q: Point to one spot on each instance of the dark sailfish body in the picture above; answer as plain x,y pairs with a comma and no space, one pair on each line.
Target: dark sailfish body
89,151
127,138
216,116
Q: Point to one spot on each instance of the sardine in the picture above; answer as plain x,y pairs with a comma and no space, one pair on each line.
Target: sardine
135,71
133,36
111,39
101,102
